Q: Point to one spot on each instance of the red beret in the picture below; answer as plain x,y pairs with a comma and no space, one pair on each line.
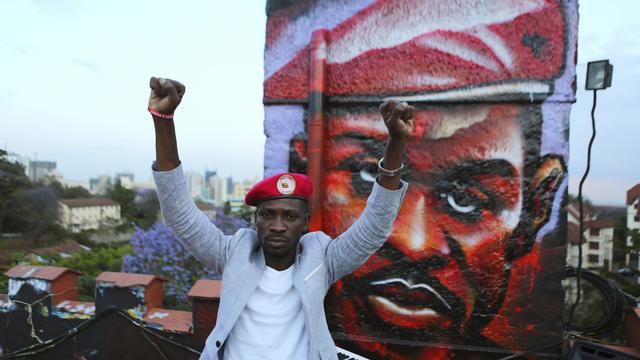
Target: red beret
282,185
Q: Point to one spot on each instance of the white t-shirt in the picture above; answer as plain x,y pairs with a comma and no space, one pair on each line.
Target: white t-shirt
271,326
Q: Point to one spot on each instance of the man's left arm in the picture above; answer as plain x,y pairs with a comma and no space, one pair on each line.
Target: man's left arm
352,248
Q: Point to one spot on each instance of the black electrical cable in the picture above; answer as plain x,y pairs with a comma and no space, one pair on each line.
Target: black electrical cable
580,235
155,346
615,301
39,348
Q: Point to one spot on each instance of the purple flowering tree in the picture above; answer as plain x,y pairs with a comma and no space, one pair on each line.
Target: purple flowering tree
158,251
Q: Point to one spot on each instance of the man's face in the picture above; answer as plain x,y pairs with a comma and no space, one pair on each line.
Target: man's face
280,223
443,269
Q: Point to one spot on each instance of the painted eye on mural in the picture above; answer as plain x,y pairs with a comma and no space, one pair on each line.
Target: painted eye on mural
465,201
455,204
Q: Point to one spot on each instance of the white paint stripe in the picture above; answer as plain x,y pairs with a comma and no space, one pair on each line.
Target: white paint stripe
479,92
158,315
313,272
413,286
496,44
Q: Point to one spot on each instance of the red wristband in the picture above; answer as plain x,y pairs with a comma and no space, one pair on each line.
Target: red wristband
159,114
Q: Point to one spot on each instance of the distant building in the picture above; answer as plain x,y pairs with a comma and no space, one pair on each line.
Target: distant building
40,170
100,185
597,249
216,188
126,179
633,220
88,214
597,239
194,184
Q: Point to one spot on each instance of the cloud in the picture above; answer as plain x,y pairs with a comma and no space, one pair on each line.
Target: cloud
88,65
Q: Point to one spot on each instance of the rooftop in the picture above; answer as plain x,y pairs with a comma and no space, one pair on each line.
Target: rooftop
127,279
205,289
88,202
172,320
50,273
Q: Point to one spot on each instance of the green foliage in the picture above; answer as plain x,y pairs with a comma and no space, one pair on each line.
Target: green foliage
125,197
27,208
99,259
139,209
91,264
73,192
226,208
245,213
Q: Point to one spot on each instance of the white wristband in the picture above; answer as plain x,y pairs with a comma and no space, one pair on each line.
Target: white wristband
389,173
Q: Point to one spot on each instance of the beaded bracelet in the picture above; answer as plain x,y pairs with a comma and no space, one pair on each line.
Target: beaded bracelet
159,114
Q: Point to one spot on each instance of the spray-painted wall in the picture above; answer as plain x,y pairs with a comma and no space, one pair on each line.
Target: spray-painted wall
473,266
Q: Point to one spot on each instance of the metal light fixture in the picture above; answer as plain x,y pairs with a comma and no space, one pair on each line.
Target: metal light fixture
599,75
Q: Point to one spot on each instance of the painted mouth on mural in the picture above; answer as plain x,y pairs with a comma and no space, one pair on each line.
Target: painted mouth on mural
399,297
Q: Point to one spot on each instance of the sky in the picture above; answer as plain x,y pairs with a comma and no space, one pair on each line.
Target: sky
74,87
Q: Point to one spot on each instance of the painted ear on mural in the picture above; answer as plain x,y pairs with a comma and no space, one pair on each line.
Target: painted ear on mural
550,173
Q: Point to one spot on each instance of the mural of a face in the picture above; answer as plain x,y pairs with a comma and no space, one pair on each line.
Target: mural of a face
444,271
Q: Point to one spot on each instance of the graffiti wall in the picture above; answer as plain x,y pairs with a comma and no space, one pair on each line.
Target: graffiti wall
473,266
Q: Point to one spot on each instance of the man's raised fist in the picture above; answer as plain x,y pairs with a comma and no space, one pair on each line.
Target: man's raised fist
165,96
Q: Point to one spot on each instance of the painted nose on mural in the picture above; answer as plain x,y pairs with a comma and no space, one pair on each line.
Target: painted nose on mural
417,233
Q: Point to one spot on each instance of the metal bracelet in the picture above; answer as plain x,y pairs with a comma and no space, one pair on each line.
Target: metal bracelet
389,173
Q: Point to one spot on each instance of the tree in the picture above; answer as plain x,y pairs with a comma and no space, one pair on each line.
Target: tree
158,251
69,192
227,207
12,181
125,197
147,209
245,213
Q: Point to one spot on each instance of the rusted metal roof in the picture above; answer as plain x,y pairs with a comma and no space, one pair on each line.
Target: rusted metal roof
170,320
205,289
77,307
50,273
127,279
72,203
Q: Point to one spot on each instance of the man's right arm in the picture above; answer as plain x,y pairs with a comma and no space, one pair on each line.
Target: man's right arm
201,237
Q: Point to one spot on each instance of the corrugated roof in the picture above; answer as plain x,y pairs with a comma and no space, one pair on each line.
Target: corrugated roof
171,320
50,273
77,307
127,279
88,202
205,289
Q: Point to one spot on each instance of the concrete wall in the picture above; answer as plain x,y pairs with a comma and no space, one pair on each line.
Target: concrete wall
474,263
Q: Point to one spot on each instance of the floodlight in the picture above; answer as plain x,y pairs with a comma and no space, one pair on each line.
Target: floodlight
599,75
